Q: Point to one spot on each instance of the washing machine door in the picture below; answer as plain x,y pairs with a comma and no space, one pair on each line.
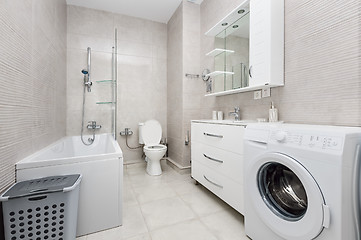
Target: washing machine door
287,197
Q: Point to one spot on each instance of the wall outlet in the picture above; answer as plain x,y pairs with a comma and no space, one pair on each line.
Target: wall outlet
257,94
266,92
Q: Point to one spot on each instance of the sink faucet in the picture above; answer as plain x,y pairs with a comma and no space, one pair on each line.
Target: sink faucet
235,113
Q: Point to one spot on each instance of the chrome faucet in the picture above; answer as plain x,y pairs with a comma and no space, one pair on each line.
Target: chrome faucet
93,125
235,113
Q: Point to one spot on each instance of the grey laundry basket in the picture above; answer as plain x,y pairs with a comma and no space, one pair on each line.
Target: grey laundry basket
41,209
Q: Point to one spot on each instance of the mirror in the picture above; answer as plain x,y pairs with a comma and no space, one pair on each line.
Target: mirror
231,57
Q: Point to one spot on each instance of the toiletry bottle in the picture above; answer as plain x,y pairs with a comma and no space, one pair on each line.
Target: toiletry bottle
273,114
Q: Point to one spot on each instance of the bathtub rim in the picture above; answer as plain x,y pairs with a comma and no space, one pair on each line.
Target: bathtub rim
31,161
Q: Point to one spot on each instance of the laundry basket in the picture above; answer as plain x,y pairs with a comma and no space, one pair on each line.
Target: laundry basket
44,208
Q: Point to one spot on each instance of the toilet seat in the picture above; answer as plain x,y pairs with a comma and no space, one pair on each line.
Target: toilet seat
152,132
155,148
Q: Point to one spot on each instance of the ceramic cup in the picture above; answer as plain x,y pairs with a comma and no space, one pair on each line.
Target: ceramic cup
220,115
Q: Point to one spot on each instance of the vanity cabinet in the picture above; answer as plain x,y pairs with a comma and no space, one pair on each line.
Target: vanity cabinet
217,160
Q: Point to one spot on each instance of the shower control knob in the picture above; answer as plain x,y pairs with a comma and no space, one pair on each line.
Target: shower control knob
281,136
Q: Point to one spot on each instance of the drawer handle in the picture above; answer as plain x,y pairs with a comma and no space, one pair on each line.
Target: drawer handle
212,159
215,184
212,135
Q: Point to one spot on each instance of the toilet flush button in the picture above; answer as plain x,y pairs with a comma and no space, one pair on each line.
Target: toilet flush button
281,136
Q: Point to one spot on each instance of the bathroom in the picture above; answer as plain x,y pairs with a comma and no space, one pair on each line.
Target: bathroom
44,48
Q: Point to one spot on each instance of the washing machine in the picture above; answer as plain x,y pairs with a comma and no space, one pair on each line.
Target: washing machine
302,182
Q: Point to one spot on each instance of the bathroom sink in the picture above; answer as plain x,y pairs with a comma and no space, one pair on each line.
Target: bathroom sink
227,121
236,121
243,121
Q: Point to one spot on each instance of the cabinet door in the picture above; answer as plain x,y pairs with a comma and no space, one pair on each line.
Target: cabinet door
226,137
266,43
226,163
225,188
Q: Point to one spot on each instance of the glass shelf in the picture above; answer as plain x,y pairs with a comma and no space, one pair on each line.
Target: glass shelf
218,51
105,81
216,73
105,102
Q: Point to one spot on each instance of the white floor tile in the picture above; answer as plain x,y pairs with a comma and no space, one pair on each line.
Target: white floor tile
226,225
140,237
204,202
111,234
129,197
153,192
136,169
183,187
166,212
133,222
190,230
142,179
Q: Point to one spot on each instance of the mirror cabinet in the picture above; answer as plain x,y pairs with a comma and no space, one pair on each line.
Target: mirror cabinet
248,48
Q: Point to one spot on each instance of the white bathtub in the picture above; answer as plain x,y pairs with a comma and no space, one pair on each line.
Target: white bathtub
101,164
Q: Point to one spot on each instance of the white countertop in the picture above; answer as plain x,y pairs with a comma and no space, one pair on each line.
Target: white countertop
225,122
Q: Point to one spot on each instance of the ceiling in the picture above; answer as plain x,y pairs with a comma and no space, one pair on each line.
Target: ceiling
155,10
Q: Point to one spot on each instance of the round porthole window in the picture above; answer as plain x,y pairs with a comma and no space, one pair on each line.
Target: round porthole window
282,191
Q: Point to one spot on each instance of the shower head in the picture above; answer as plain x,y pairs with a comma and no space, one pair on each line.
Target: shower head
84,72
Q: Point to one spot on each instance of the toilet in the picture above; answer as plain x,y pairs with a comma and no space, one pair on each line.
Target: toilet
150,134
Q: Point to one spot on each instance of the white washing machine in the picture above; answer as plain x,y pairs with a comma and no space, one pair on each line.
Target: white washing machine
302,182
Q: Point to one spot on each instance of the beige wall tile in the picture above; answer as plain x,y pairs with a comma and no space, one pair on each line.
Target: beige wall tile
90,22
183,57
142,73
32,73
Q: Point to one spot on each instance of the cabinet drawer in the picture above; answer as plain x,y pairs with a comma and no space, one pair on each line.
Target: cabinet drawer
226,163
225,188
227,137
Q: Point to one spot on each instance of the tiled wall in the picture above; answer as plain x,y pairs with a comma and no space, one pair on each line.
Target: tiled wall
175,85
33,79
142,72
183,58
191,65
322,64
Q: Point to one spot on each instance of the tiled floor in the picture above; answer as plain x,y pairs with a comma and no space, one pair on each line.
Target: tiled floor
171,207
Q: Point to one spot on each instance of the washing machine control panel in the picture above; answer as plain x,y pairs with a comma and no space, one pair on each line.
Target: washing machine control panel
307,140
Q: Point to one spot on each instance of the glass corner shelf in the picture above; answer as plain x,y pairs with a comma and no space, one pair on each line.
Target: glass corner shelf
216,73
106,81
105,102
218,51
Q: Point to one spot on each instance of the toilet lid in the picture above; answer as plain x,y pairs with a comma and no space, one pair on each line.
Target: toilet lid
152,132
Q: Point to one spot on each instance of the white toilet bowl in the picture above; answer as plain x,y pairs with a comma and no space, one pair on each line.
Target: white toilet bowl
154,154
150,134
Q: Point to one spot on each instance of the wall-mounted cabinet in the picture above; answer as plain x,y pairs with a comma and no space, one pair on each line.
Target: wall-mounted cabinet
249,48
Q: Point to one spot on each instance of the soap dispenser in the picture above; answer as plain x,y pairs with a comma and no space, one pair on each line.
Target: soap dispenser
273,113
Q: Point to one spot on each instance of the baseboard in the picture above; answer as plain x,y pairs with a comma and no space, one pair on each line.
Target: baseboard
180,169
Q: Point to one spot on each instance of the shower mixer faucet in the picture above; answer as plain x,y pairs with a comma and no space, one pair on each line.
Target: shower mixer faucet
93,125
